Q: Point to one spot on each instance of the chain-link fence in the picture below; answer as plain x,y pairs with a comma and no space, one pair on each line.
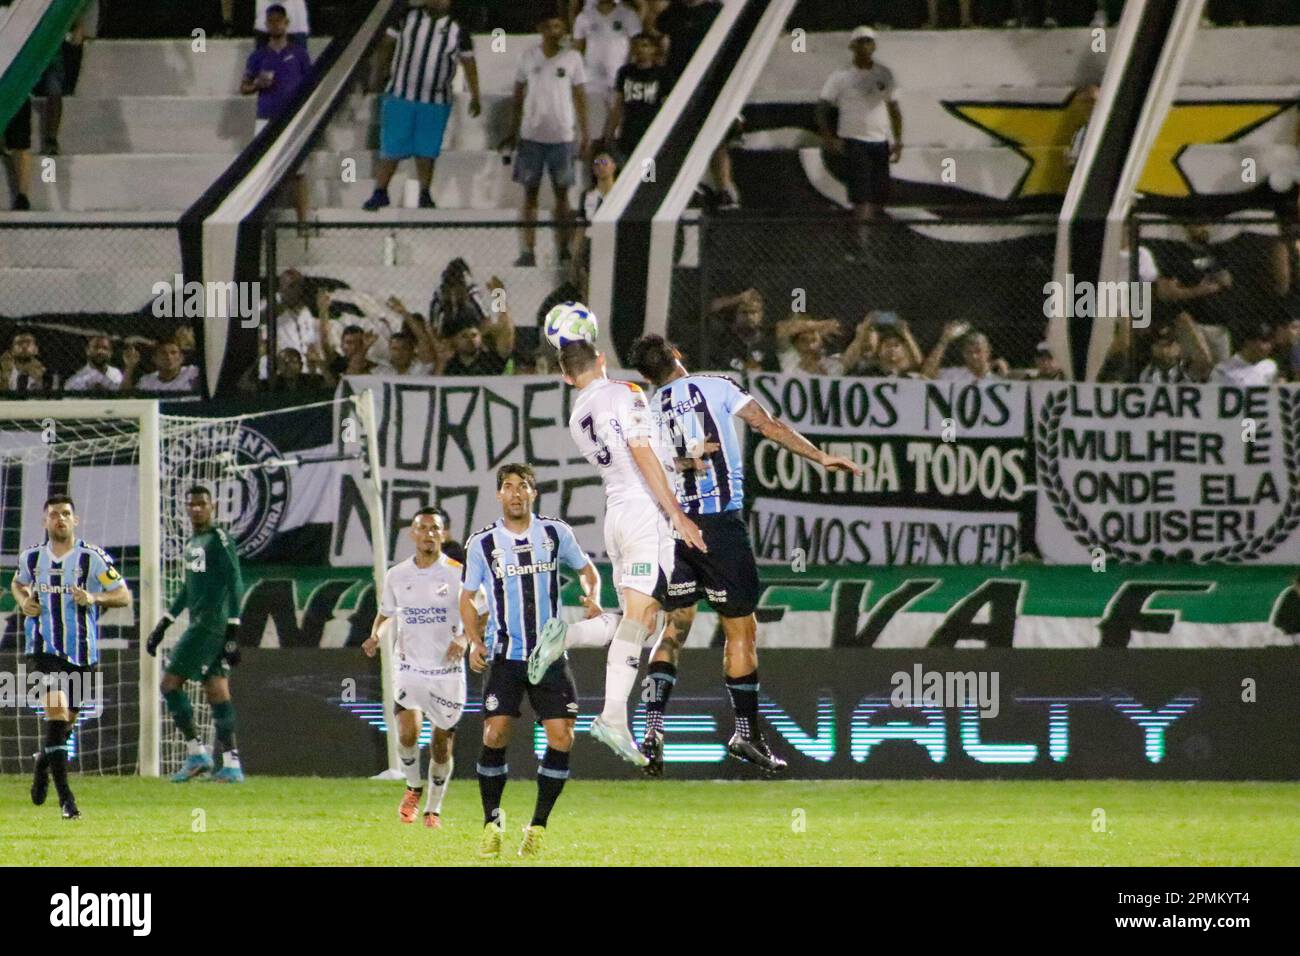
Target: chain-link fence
418,277
82,310
759,278
1220,288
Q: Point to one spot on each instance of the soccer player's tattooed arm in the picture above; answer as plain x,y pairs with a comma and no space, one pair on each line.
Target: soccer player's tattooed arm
758,418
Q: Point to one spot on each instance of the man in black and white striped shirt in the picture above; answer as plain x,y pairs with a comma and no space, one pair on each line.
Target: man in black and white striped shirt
427,43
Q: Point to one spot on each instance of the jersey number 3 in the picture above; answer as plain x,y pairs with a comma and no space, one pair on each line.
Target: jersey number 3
603,457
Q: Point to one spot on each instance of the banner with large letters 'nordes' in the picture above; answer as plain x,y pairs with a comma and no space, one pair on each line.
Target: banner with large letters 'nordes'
441,442
989,473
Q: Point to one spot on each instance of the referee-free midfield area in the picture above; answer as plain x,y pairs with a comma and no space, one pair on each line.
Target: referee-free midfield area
314,821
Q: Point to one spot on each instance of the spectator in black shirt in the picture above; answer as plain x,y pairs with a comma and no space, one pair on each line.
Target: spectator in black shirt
640,88
289,376
471,357
739,338
685,24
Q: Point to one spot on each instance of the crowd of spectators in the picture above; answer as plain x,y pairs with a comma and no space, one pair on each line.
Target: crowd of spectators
120,366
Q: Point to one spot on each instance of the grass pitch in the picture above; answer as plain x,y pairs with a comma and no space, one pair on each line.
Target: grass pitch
303,821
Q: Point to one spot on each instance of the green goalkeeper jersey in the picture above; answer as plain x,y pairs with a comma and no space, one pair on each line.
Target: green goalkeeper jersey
213,585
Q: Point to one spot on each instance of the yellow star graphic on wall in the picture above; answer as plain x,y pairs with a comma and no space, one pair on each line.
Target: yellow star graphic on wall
1041,133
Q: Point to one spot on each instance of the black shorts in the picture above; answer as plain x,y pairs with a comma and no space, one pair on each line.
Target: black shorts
77,681
726,575
18,134
556,697
866,171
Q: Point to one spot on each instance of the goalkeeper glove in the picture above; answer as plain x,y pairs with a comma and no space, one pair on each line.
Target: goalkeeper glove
231,652
156,636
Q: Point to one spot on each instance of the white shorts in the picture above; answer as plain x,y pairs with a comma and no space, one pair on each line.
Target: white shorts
639,541
441,698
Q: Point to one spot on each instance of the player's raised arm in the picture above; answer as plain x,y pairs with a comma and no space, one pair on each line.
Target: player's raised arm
758,418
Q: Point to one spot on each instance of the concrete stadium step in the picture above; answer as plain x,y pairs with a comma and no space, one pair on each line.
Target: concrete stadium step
166,183
461,180
153,124
168,67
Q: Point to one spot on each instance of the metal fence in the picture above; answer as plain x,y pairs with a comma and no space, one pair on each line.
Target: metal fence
362,267
1215,280
64,284
986,274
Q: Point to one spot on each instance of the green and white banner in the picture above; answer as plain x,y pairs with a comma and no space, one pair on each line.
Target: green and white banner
1026,606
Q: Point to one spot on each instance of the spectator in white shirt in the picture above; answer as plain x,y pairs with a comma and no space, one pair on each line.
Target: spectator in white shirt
869,131
97,375
170,374
549,101
602,33
978,363
1252,364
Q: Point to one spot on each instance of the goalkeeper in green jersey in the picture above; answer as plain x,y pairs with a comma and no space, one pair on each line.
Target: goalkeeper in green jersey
209,647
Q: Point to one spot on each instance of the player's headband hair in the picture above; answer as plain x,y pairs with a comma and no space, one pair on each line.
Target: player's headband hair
516,468
196,490
577,357
277,8
59,500
652,356
429,510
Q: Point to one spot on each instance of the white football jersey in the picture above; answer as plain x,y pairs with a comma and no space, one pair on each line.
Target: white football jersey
607,414
425,606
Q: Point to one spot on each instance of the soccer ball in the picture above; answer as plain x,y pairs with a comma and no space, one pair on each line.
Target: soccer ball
570,322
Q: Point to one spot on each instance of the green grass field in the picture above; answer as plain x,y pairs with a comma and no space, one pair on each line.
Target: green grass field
317,821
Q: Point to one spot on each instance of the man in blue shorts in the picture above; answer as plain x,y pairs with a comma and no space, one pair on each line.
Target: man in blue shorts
550,100
420,51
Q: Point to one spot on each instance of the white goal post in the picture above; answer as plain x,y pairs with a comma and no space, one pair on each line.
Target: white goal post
83,446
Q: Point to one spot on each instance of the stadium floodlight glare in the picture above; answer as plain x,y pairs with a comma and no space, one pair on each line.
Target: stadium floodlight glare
127,468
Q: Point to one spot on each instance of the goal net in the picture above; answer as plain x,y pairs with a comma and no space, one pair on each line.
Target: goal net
128,469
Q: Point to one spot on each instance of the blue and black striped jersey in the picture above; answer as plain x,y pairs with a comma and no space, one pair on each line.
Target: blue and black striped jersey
64,628
520,574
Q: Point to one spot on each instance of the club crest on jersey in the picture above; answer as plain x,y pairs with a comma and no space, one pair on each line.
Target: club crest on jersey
491,702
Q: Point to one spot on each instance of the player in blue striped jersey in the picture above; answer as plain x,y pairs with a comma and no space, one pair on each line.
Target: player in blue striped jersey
59,588
695,418
516,562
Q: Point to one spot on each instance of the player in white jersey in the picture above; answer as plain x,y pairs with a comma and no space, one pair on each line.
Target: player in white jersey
421,596
614,430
